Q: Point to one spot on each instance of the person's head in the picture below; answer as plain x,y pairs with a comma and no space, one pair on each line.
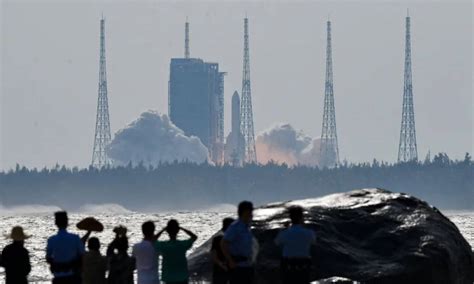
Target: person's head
93,244
61,219
296,214
120,231
18,235
148,229
245,211
226,223
122,244
172,229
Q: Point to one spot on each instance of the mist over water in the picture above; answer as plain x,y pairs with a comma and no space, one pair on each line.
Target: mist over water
33,209
103,208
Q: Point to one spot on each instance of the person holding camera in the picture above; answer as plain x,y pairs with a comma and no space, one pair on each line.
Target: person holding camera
121,264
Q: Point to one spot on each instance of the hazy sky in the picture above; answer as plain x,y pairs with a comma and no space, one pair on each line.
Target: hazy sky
49,70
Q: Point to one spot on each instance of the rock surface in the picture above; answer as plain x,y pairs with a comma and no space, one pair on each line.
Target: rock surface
369,235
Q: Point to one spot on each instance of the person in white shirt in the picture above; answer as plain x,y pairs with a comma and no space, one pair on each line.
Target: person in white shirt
146,256
296,242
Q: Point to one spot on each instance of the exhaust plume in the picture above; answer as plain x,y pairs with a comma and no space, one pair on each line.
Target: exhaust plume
284,144
152,139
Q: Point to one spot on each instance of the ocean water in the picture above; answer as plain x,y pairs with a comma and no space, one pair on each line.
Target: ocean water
41,225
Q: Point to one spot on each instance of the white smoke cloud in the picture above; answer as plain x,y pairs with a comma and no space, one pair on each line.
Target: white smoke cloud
284,144
152,139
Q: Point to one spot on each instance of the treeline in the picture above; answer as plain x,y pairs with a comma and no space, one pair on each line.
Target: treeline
445,183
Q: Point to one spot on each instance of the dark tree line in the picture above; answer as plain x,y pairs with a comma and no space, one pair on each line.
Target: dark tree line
445,183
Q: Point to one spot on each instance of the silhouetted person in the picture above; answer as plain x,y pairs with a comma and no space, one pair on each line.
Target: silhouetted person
94,264
220,269
173,251
16,259
121,265
64,253
296,242
120,232
146,256
237,246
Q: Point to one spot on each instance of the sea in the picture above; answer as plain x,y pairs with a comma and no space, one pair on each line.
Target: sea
38,222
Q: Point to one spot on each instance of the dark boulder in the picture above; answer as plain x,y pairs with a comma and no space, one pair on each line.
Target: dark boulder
370,235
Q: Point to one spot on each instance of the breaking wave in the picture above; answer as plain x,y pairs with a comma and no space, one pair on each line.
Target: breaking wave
31,209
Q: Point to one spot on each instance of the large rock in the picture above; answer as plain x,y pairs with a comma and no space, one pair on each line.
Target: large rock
370,235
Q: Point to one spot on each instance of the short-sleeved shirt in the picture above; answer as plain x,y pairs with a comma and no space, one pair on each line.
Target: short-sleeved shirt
64,247
296,241
146,257
240,240
174,264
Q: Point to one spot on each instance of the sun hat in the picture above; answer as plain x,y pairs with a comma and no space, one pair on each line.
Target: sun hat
90,224
17,234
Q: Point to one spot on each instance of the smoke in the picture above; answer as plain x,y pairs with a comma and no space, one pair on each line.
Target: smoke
284,144
152,139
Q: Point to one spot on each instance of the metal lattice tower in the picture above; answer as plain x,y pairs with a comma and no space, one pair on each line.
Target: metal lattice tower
329,150
102,126
186,39
407,147
220,120
246,122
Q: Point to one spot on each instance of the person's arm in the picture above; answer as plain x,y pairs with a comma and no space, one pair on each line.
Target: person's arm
217,261
86,237
105,262
157,236
49,252
27,264
190,234
133,263
1,258
216,242
229,237
226,252
313,239
81,250
279,238
111,247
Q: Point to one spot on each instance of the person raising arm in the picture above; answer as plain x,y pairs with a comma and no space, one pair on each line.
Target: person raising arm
173,251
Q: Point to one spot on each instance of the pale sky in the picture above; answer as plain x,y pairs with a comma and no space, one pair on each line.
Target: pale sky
49,70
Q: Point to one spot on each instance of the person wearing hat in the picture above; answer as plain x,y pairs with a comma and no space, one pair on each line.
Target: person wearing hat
15,258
